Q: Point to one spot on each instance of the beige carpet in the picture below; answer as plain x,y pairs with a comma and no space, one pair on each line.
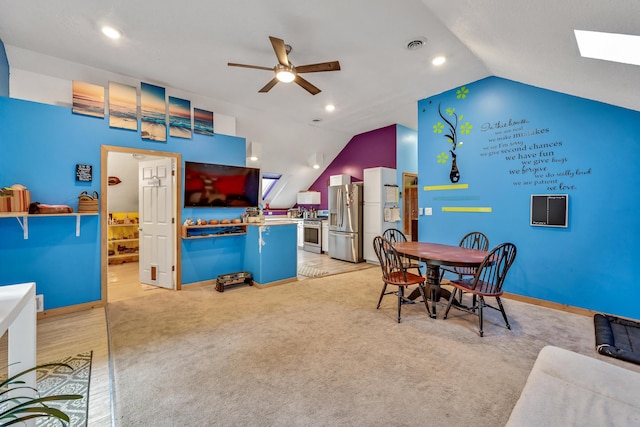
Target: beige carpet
317,352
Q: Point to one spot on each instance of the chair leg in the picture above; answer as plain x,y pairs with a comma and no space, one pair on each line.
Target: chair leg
384,288
504,315
423,292
481,299
451,298
400,298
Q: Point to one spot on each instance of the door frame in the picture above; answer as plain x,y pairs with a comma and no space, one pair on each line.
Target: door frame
407,177
104,178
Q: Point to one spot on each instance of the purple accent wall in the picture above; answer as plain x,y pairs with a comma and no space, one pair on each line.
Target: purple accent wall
376,148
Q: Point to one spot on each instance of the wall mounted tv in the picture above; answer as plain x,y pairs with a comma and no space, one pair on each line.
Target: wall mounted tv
550,210
222,186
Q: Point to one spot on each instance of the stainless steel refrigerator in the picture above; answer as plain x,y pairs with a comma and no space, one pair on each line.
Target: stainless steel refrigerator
345,222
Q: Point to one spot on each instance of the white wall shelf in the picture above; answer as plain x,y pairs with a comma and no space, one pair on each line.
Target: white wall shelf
23,219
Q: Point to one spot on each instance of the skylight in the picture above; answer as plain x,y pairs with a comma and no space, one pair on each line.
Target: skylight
609,46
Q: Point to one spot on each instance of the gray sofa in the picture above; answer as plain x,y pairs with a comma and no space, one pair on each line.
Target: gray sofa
569,389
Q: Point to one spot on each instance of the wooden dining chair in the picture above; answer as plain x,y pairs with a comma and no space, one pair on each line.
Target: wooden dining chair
394,235
395,274
473,240
486,282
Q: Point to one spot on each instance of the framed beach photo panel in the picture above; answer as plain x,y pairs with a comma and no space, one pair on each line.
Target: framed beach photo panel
203,122
88,99
153,112
179,117
123,106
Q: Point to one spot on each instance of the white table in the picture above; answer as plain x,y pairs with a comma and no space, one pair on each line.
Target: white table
18,316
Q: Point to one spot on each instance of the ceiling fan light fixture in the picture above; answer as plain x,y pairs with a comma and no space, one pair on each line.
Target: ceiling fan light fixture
285,74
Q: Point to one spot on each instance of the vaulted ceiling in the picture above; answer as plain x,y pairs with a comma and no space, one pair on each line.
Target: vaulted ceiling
186,45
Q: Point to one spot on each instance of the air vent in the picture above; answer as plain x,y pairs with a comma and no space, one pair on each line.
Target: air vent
316,120
417,43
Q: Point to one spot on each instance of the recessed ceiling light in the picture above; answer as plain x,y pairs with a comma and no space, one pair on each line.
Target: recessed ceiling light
111,32
439,60
609,46
330,107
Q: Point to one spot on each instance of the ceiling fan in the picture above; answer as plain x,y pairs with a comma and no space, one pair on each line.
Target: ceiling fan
285,70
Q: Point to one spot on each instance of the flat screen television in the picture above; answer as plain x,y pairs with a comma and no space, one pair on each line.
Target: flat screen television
224,186
549,210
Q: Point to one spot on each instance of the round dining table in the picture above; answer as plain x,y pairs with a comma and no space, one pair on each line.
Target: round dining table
434,255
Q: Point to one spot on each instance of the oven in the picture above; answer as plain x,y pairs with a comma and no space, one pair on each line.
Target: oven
312,235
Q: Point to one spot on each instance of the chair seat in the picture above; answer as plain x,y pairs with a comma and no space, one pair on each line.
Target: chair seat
483,288
397,278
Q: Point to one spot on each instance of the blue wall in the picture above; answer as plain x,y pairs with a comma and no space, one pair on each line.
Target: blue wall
4,71
583,148
41,144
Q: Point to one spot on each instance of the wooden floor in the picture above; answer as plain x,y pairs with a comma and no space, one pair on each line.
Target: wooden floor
74,333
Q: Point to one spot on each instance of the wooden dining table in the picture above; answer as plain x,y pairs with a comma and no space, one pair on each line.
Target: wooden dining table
434,255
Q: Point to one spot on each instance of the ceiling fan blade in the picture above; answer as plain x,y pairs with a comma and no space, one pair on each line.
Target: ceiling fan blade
231,64
280,50
323,66
269,85
307,86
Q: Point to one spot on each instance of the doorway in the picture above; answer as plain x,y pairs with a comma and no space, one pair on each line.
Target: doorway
129,271
410,206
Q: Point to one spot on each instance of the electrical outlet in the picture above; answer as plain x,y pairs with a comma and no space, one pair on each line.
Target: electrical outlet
39,303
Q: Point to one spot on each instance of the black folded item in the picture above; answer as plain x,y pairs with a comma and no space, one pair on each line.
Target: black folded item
617,337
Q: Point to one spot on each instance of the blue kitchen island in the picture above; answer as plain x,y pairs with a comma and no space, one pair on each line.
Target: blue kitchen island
271,252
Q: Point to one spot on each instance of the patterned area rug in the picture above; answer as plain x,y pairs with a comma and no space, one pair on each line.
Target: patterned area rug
305,270
59,380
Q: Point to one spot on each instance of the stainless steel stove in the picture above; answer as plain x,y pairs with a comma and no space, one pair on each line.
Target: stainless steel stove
312,229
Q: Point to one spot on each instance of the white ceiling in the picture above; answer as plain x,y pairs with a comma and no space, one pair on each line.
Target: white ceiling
186,45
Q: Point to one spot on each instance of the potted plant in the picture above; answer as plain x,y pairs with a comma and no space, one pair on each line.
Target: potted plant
16,408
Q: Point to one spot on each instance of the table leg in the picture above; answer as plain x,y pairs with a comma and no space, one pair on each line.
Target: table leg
433,280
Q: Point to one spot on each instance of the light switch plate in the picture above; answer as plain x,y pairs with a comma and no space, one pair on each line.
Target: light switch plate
428,211
420,211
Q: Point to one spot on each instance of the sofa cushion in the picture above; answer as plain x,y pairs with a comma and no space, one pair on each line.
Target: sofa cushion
569,389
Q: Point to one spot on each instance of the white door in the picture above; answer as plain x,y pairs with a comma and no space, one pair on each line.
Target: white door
155,199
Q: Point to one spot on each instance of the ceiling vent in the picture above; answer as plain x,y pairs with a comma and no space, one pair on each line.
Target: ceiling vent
417,43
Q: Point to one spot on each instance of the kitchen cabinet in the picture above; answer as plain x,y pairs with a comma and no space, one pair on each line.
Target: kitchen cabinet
325,236
376,197
308,198
342,179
